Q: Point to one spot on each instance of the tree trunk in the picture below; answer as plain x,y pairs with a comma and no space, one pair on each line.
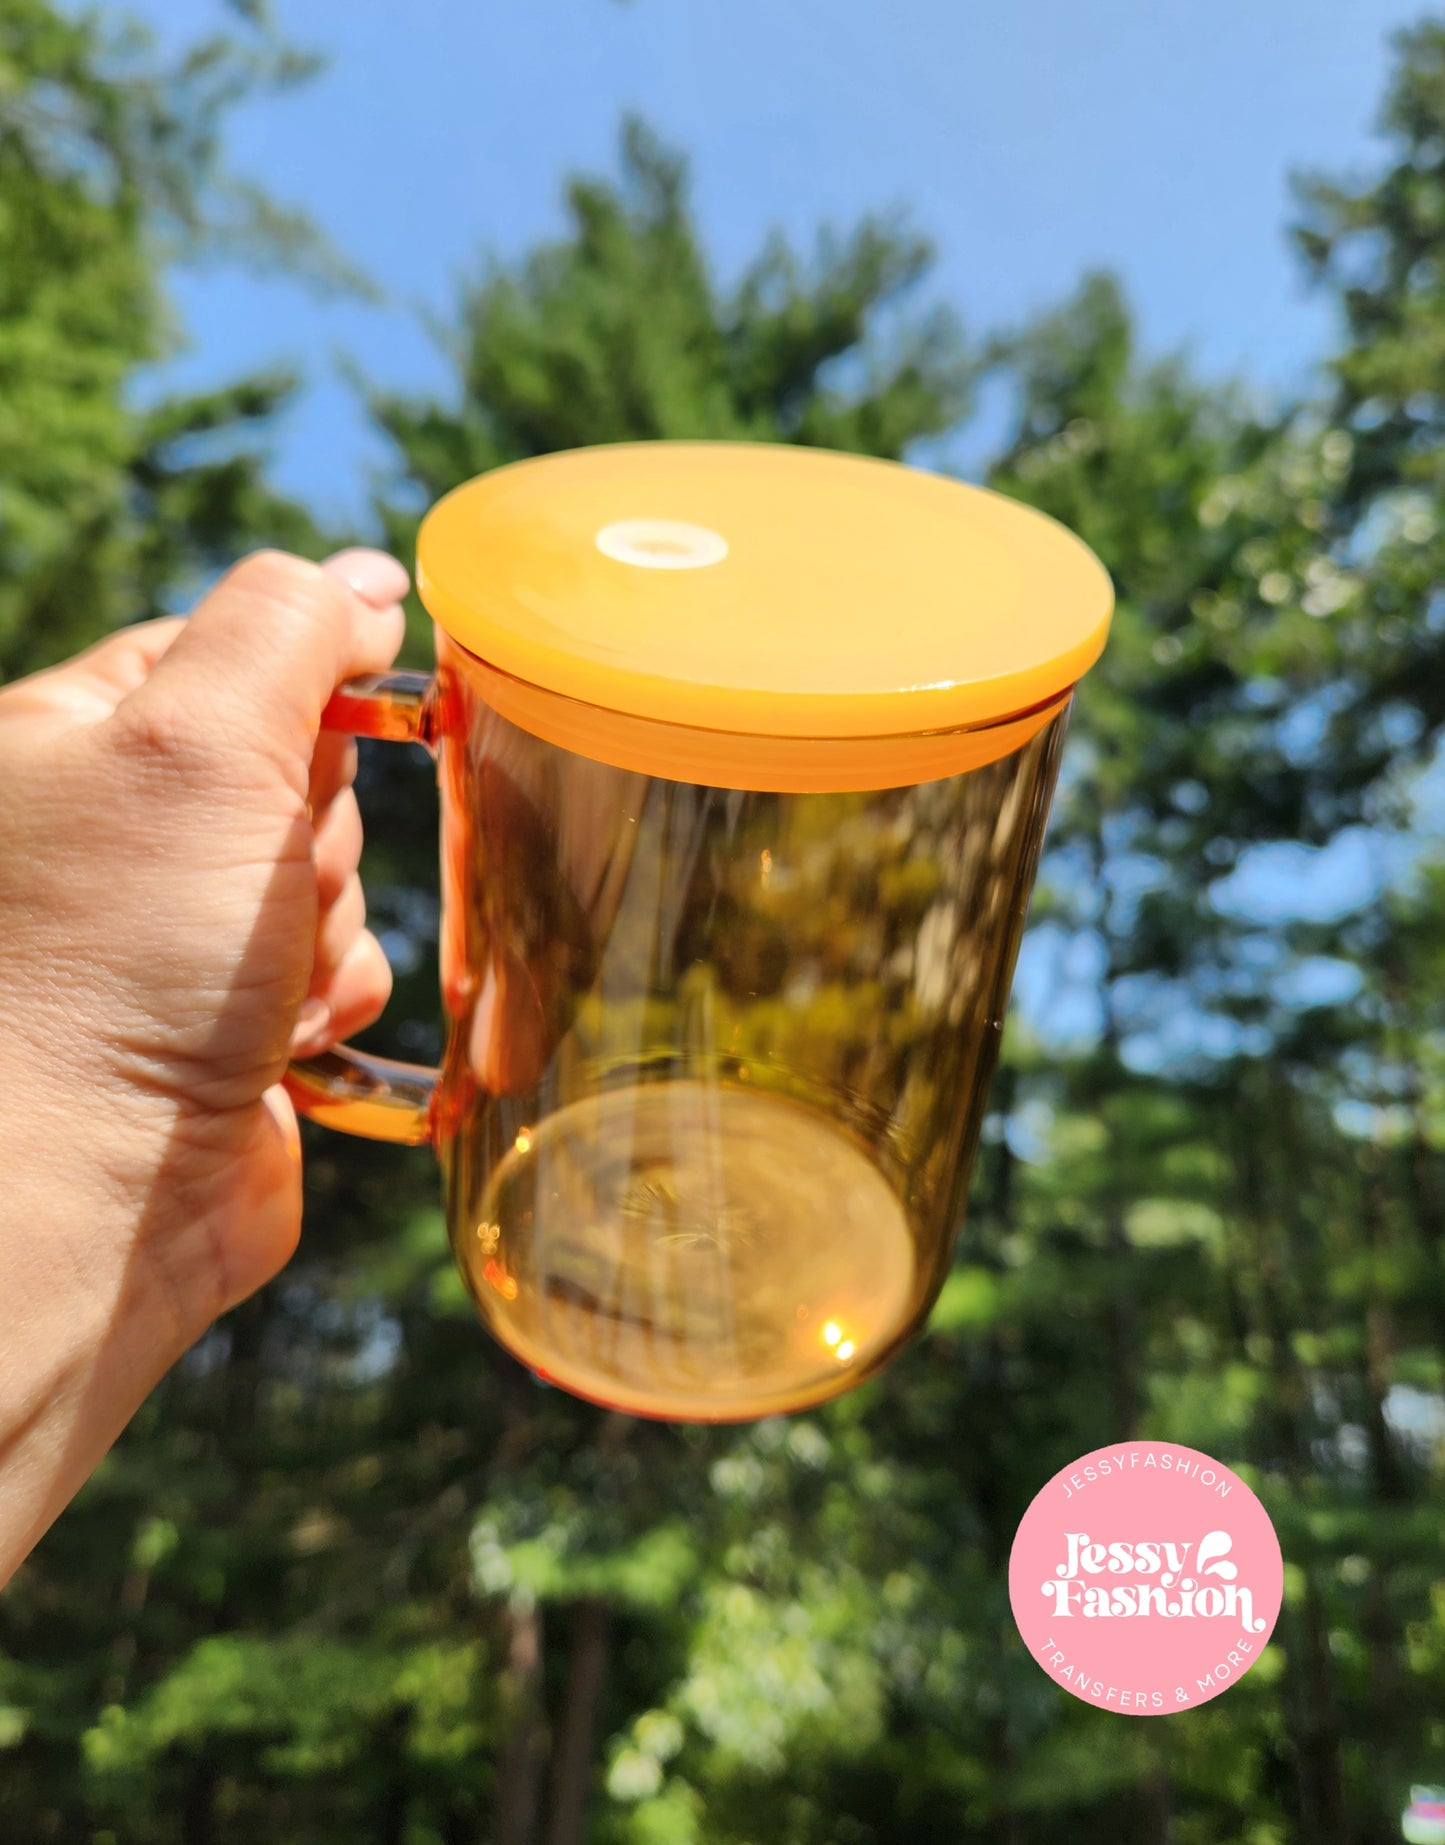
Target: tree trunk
1322,1794
524,1749
1159,1807
198,1811
1314,1718
1121,1333
1390,1478
1386,1700
572,1766
394,1796
459,1827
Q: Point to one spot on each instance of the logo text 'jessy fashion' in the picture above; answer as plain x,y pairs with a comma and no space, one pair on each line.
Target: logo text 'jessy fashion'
1152,1569
1162,1594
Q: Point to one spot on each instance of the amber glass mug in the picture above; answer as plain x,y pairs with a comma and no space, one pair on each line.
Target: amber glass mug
745,757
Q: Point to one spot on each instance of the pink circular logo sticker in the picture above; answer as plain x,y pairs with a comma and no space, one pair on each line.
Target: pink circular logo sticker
1146,1578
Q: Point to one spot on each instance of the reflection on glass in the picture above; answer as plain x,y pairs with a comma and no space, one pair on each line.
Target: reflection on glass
719,1060
680,1242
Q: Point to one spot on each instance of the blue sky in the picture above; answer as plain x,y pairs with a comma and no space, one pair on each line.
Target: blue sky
1030,140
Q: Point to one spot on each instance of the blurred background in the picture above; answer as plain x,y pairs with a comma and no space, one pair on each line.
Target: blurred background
1176,275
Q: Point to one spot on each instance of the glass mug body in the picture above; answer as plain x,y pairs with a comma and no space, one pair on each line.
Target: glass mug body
716,1060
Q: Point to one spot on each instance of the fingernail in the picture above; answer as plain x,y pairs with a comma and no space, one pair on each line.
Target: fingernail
375,576
311,1023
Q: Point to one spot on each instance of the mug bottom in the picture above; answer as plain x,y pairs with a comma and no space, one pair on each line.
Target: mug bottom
693,1251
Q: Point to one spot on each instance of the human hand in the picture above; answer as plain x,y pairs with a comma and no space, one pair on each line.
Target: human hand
179,911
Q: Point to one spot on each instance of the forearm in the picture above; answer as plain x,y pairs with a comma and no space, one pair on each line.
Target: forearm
92,1316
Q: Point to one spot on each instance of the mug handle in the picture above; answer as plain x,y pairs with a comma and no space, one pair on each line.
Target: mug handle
377,1097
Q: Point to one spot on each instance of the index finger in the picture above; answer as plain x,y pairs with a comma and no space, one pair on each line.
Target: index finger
263,653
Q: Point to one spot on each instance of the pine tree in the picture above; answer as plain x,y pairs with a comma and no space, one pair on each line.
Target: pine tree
110,167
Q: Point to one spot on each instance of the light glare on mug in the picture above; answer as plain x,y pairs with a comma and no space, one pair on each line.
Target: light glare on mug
661,544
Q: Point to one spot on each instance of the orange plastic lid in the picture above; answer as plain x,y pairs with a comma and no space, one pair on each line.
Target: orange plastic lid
763,591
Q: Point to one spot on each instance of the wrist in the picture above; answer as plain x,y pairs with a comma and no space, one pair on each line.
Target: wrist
97,1307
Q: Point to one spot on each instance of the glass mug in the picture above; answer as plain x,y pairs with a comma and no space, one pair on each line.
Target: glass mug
729,917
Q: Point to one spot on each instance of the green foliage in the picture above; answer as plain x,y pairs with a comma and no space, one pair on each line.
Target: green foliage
352,1573
301,1707
107,164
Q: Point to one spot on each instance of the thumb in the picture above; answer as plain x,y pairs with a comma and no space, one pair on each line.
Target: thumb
265,650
